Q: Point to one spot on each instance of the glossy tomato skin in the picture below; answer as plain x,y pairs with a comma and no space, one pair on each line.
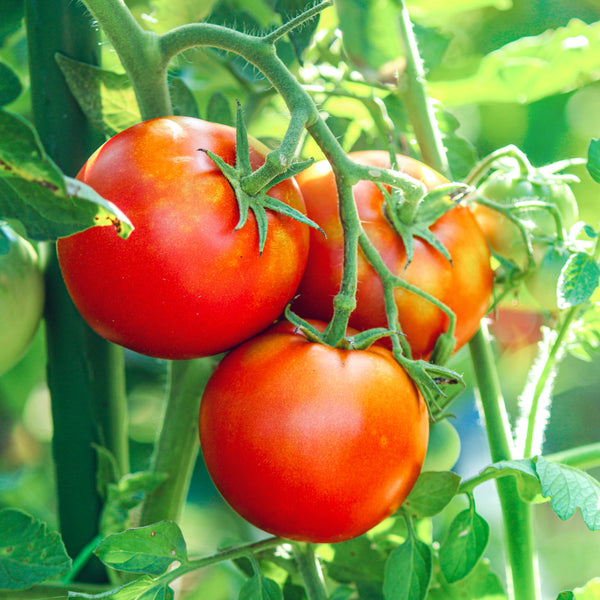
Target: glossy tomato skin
21,296
465,285
310,442
185,283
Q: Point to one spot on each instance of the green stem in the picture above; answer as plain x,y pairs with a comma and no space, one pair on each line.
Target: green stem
310,571
540,385
177,446
582,457
139,53
417,101
78,360
522,572
246,550
483,166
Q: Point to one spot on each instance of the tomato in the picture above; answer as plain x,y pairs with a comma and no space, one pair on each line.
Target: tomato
465,285
311,442
185,283
21,296
516,326
542,283
507,188
443,449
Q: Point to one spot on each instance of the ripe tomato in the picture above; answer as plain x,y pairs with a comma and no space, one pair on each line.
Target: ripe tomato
21,296
185,283
465,285
507,188
310,442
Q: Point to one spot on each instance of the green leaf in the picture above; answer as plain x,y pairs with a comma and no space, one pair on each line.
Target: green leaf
461,153
432,493
584,341
408,571
356,560
143,588
300,37
219,110
569,489
369,32
10,85
578,280
480,584
124,495
149,550
29,553
528,483
464,544
182,98
12,15
530,68
259,587
593,161
590,591
35,192
437,11
106,98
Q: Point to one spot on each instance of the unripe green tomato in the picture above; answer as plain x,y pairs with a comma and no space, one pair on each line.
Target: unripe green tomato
21,296
543,282
508,188
443,449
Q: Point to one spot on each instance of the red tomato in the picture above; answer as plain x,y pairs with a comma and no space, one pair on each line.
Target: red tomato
310,442
185,283
465,285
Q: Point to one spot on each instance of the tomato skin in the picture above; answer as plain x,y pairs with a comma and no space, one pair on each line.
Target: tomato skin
21,297
185,283
465,286
310,442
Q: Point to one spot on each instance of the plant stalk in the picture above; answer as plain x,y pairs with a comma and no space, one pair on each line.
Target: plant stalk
521,561
310,572
177,446
84,413
417,101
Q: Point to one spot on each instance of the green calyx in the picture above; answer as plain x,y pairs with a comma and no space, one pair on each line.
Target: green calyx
413,220
257,201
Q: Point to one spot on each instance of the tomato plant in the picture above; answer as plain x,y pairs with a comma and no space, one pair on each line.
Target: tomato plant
21,296
187,282
320,448
464,285
313,435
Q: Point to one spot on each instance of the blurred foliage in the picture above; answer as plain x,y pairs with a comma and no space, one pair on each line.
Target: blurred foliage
550,116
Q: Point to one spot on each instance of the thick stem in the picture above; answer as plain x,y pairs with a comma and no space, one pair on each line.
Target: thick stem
310,572
522,567
139,53
77,359
177,446
417,101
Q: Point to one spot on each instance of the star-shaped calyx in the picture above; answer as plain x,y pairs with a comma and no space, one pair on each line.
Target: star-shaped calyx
258,202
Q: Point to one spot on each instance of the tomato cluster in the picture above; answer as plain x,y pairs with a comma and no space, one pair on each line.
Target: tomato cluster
305,440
